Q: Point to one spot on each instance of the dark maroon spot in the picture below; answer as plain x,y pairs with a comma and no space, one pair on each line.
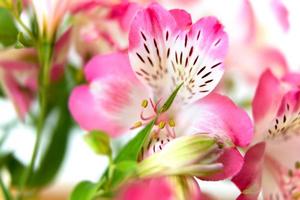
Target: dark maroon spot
201,70
216,65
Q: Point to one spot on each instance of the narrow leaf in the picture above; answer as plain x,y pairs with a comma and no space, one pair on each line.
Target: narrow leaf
170,100
132,149
85,190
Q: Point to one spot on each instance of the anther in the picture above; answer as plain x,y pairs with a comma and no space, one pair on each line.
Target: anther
172,123
297,165
137,125
144,103
162,124
290,173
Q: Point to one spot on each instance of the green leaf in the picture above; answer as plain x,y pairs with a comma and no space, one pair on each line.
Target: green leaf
132,149
128,155
170,100
8,29
85,190
99,142
126,166
123,170
16,170
54,154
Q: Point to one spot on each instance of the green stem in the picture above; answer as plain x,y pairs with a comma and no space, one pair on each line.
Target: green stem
45,55
6,193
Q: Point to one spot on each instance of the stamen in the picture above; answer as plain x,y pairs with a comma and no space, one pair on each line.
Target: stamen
144,103
297,165
146,118
137,125
172,123
162,124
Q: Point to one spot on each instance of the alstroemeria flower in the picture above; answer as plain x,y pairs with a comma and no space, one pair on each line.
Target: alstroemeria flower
49,14
250,51
276,111
165,50
102,26
19,72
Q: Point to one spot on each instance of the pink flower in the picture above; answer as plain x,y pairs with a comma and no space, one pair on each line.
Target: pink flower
19,70
165,49
276,111
49,14
101,26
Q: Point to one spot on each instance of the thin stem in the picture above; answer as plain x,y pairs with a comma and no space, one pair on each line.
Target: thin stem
45,54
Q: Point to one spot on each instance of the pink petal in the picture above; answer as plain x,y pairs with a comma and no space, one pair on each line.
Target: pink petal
247,21
158,189
281,13
283,135
61,50
210,115
21,99
164,188
111,102
182,18
152,31
293,79
19,74
232,161
197,58
124,13
266,101
164,55
251,61
249,178
114,64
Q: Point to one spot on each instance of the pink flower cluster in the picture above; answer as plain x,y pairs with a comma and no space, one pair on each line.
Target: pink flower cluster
135,55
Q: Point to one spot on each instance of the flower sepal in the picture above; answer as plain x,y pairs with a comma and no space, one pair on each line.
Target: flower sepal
193,155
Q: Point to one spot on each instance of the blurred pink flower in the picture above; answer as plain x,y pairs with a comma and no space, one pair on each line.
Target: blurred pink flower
19,70
101,26
165,50
276,111
249,54
49,14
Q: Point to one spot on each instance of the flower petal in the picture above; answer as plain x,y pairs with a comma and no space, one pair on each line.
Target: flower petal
111,100
232,161
149,189
210,115
281,13
283,135
197,57
152,31
182,18
165,52
248,180
266,103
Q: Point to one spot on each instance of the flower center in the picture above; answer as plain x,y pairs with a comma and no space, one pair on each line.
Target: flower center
290,183
286,126
163,130
163,122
